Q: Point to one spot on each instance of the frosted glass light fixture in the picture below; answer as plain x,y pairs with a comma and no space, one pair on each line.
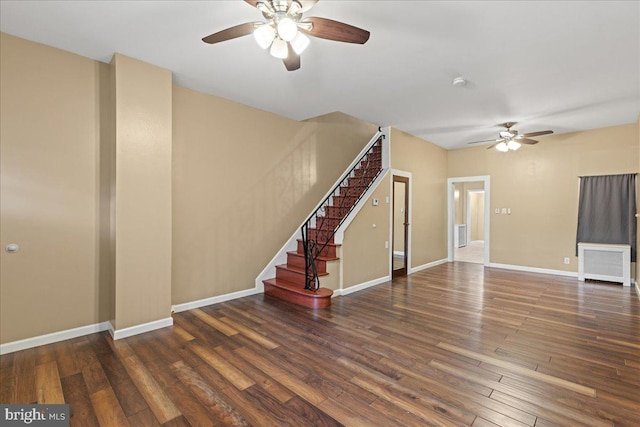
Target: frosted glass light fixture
299,43
503,147
513,145
287,29
264,35
279,48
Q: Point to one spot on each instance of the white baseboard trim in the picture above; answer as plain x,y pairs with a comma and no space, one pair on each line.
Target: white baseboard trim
534,269
177,308
68,334
140,329
428,265
361,286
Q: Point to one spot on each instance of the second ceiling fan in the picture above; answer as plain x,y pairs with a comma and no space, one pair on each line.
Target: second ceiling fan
285,28
511,140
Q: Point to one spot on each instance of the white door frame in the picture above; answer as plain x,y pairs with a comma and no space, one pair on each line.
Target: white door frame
487,212
468,219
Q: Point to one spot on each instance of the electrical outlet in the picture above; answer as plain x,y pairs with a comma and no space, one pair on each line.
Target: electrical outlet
386,244
567,260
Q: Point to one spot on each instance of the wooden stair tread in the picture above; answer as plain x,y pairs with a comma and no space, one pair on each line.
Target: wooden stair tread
292,287
297,269
319,258
323,243
296,294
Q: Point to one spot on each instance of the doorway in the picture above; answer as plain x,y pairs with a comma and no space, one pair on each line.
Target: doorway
473,214
468,219
400,227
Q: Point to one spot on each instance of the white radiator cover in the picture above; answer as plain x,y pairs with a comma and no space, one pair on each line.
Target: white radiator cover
604,262
460,235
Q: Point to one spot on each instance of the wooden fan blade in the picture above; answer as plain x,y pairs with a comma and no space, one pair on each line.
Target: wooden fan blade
486,140
230,33
333,30
542,132
292,61
527,141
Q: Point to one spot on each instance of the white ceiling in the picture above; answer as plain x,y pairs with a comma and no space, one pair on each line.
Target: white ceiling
562,65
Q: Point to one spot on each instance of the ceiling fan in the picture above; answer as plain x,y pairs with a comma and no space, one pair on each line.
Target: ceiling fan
511,140
285,28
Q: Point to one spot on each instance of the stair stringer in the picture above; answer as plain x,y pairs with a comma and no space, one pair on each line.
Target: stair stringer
290,245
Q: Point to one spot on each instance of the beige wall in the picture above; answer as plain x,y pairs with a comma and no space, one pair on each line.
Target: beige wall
428,200
476,216
49,195
540,185
143,121
364,255
243,181
459,203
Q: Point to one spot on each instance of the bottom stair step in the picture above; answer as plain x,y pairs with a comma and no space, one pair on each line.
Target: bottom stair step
296,294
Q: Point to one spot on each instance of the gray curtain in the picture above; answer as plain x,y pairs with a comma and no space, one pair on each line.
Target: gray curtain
607,209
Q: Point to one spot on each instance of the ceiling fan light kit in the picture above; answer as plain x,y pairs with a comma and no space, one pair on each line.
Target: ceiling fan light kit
300,43
264,35
287,29
279,48
513,145
510,140
503,147
284,27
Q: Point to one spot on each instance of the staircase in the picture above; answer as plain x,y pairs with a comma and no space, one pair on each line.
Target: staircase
298,281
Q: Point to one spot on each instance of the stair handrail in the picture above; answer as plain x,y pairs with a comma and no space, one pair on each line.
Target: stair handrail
311,247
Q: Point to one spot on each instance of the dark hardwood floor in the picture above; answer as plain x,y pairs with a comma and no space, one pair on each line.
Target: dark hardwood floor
450,346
